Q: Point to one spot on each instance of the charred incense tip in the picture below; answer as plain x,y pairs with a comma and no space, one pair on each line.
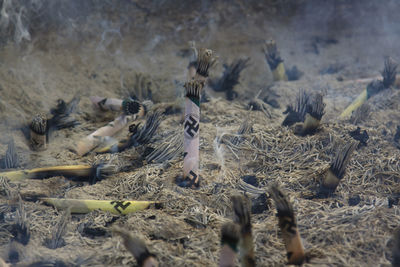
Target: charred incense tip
337,170
389,72
342,158
230,235
39,124
297,112
272,54
242,212
205,60
136,247
283,207
316,107
130,106
193,88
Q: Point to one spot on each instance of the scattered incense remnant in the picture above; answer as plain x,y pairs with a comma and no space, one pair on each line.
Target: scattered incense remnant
137,248
314,113
230,236
288,226
10,160
127,106
274,60
21,228
296,113
56,240
245,128
62,115
336,171
258,104
138,136
396,249
230,78
361,137
374,87
88,205
38,132
242,217
91,173
166,151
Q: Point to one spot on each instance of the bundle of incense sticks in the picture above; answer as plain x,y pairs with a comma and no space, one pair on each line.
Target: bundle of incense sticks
193,90
274,60
88,205
38,129
92,173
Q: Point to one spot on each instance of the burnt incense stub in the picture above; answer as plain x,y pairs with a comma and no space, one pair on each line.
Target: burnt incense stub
38,132
130,106
272,54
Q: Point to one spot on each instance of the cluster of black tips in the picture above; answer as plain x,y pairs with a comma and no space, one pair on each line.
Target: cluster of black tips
389,77
131,106
230,78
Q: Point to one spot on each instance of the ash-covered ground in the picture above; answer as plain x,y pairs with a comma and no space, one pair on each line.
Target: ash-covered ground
54,50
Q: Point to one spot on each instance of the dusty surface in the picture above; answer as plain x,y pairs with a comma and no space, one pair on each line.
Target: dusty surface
100,56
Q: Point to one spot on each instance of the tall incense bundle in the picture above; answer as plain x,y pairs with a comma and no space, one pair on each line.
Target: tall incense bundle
374,87
241,209
10,160
137,248
230,236
274,60
193,88
288,226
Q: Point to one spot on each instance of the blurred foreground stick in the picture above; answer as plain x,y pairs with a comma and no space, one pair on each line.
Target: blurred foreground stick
288,226
88,205
137,248
230,236
90,173
241,209
374,87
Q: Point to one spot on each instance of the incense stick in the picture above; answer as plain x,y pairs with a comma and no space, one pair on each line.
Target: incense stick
274,60
88,205
288,226
230,236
